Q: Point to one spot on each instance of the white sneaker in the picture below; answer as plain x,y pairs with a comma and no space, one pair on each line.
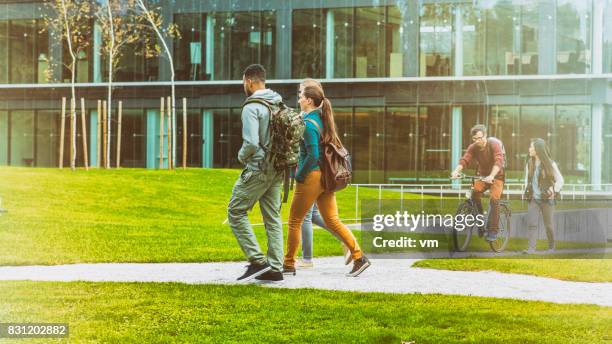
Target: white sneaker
304,264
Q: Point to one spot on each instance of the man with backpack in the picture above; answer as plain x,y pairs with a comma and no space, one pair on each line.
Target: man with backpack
489,153
260,181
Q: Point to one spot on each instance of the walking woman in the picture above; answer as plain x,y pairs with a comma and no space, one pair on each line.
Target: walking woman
543,182
320,128
313,215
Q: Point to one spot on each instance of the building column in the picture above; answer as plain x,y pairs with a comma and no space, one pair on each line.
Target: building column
283,43
596,143
93,138
458,41
409,32
598,23
547,40
210,47
329,45
153,141
208,133
456,140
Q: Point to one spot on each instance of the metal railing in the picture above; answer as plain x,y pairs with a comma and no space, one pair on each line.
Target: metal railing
573,191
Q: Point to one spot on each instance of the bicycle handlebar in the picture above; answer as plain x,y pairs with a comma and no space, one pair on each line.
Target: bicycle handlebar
465,176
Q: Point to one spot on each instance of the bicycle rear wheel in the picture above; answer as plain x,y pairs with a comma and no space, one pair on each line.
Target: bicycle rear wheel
503,236
461,239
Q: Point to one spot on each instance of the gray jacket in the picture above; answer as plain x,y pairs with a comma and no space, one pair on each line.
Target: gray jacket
255,129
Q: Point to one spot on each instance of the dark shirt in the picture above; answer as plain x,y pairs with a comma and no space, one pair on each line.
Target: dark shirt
491,156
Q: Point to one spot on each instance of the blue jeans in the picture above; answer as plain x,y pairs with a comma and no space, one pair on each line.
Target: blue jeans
312,216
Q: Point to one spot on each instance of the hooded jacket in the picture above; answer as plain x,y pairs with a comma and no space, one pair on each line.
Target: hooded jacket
256,130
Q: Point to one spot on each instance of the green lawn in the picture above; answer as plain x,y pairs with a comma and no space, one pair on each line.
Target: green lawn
578,269
130,215
169,312
137,215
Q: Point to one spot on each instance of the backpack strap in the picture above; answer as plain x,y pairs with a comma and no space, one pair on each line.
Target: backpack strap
268,106
258,101
316,126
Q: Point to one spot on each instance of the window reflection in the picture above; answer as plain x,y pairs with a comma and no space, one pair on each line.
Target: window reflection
436,39
243,38
308,40
573,36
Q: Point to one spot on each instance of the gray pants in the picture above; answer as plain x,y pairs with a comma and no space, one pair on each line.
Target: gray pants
534,210
264,187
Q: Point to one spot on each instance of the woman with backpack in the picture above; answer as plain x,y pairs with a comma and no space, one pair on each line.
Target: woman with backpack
320,131
543,182
313,215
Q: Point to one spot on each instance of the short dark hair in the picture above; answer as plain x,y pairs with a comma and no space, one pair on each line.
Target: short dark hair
255,72
478,127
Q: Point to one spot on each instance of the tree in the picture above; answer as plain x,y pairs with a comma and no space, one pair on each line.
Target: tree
155,20
73,19
122,25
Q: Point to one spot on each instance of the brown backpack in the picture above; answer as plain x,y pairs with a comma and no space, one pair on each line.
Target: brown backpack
335,163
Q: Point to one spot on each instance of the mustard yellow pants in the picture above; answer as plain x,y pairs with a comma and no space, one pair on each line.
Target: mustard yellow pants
305,195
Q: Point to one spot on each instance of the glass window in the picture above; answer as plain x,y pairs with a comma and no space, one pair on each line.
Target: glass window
4,137
133,65
43,68
133,139
343,118
474,45
573,36
370,42
4,53
502,39
435,40
343,42
401,143
606,164
571,141
368,145
607,36
83,56
394,55
22,50
227,137
189,49
243,38
529,37
434,140
22,138
308,44
194,138
47,138
504,123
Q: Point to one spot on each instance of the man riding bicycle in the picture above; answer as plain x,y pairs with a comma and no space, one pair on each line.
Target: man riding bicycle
489,154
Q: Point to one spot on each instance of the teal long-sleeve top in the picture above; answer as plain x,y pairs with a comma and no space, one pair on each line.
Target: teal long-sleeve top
309,147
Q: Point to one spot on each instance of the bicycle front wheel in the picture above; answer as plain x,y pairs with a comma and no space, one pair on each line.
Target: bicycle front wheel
461,239
503,236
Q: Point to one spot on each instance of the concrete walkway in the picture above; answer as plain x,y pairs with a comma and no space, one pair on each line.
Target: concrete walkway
385,275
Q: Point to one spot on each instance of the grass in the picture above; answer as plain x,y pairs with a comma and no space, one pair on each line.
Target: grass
130,215
169,312
137,215
578,269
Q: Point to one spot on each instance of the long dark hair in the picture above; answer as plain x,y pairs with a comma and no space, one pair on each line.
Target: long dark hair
327,113
546,160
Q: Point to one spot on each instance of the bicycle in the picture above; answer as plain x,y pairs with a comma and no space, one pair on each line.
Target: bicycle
461,239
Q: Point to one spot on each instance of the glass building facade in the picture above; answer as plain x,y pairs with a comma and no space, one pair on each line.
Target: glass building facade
408,79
